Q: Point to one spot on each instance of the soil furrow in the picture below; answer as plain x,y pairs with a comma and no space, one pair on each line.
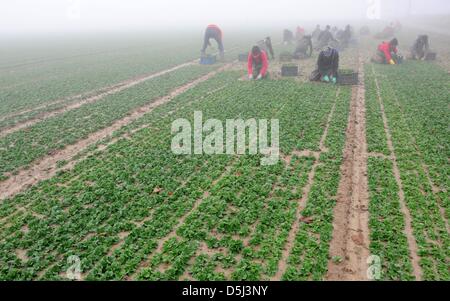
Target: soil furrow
115,89
350,240
46,167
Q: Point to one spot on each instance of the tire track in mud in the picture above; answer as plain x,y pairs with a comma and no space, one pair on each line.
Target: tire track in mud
408,230
350,239
113,90
283,262
47,167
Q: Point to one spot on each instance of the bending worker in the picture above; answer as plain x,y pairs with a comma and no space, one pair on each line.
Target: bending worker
213,32
304,48
327,66
346,37
257,64
288,36
316,33
420,48
299,33
325,38
387,53
266,45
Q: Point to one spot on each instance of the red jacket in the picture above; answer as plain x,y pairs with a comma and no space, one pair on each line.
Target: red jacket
260,59
215,27
386,48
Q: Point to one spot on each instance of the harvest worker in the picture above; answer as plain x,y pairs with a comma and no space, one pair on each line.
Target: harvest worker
257,63
316,33
346,37
288,36
266,45
334,31
327,66
299,33
325,38
213,32
420,48
387,53
304,47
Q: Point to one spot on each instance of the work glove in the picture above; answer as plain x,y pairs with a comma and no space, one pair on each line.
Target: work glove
259,77
392,62
250,76
326,79
334,80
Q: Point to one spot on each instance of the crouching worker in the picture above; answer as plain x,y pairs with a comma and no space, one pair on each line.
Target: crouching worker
387,53
420,48
266,45
304,48
257,64
213,32
327,66
288,37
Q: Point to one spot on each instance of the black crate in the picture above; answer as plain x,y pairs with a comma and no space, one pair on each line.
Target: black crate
431,56
243,57
208,60
289,70
348,78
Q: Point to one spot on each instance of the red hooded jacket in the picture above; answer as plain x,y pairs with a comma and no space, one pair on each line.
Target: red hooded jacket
300,30
216,28
260,59
386,48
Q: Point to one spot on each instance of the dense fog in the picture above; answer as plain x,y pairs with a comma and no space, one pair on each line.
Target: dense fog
47,16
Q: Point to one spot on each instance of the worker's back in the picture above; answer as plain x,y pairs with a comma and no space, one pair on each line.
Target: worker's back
304,43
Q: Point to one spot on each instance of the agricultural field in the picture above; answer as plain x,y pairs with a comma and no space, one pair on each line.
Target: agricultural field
88,174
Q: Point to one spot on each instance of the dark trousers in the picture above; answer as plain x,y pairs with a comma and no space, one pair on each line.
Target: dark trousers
380,58
212,34
257,70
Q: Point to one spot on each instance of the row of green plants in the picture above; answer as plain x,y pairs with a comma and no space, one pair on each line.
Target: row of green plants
25,146
418,122
113,209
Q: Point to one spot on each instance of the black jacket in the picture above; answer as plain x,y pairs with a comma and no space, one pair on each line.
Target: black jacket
328,62
420,46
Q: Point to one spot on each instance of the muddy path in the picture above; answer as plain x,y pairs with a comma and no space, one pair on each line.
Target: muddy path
350,240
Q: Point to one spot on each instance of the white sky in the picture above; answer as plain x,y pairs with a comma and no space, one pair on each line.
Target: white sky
46,16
